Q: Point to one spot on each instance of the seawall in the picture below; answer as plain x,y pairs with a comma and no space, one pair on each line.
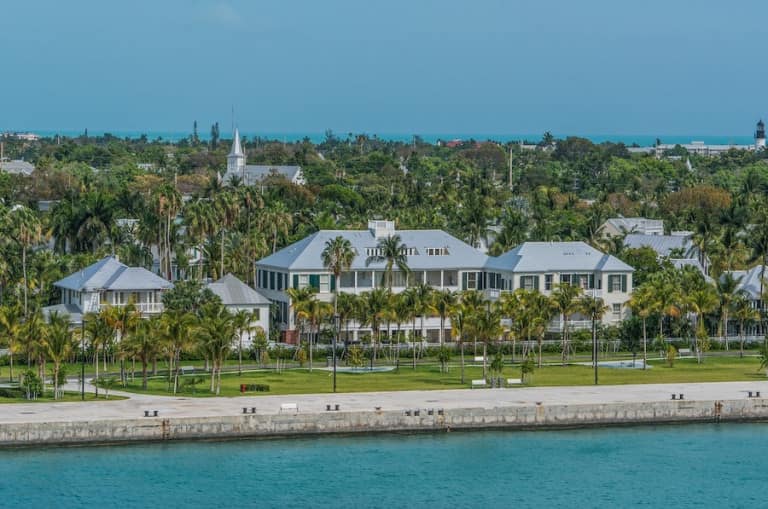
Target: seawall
537,416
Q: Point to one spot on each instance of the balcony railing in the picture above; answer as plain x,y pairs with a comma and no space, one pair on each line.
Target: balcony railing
143,307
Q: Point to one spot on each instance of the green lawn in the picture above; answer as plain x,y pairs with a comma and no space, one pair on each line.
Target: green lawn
426,377
68,397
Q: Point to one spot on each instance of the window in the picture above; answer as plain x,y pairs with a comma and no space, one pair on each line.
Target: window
415,277
565,278
256,314
471,280
617,309
399,279
617,283
325,283
437,251
450,278
347,280
434,278
375,251
365,279
271,280
529,282
548,282
303,280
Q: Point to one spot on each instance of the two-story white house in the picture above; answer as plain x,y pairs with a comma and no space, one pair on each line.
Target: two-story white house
109,283
238,296
543,265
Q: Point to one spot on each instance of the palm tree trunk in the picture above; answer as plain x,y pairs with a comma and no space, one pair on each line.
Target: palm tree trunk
413,341
541,342
462,361
485,364
645,346
725,330
144,374
24,269
240,356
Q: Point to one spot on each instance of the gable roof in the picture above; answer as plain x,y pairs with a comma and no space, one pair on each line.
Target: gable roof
253,173
233,292
110,274
556,257
18,167
636,224
306,254
750,281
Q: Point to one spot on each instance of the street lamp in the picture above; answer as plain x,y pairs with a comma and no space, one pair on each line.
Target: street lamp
335,337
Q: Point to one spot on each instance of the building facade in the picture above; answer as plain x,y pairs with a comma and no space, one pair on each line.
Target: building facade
238,296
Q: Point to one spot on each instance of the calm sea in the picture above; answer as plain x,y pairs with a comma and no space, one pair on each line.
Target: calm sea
671,466
642,140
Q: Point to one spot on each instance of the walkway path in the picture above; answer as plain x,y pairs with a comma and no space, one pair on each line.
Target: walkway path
403,400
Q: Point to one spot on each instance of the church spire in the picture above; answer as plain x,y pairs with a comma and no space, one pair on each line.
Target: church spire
236,157
236,149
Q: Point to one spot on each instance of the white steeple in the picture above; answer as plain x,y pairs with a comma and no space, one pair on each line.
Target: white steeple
236,157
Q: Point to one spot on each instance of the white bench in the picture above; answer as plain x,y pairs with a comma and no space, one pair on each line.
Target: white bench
289,407
187,369
479,383
479,359
684,352
514,381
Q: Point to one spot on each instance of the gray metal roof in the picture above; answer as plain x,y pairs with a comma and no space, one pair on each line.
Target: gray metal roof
253,173
662,244
72,310
635,224
556,257
306,253
110,274
17,167
750,281
234,292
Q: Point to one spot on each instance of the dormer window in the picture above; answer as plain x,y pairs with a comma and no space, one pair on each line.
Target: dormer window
437,251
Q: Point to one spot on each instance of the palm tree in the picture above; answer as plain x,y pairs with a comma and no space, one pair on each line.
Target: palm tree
443,303
166,205
473,303
144,343
218,333
644,302
702,302
200,220
346,305
10,328
743,312
594,308
100,332
242,322
488,326
727,287
458,327
403,312
424,304
278,220
373,308
25,228
176,329
392,252
337,257
302,302
564,300
227,210
57,345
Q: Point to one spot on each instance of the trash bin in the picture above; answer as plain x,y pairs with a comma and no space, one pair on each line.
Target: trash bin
243,387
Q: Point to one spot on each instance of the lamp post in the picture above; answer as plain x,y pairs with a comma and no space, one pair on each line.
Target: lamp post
335,337
82,358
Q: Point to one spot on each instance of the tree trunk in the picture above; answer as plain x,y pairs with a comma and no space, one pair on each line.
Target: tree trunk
485,364
725,330
462,361
645,347
240,356
24,269
144,374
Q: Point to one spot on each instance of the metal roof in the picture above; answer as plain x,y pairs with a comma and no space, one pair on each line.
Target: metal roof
662,244
109,274
73,311
556,257
635,224
234,292
750,281
253,173
18,167
306,254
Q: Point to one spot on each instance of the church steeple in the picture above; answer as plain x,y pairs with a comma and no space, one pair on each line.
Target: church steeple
236,157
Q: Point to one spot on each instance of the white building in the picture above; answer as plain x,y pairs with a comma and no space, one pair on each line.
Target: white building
441,261
17,167
238,296
109,283
617,226
253,174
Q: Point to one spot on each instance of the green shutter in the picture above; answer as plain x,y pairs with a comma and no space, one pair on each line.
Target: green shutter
536,283
624,283
463,280
333,283
591,281
314,281
296,281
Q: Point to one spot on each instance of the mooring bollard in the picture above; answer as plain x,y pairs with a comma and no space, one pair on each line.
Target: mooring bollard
336,408
245,410
327,408
674,396
146,413
749,394
757,394
253,409
681,396
155,411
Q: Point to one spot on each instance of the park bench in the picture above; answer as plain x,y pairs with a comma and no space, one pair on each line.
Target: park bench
684,352
479,383
479,359
289,407
514,381
187,369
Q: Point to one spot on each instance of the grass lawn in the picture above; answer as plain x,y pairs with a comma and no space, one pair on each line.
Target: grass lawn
426,377
68,397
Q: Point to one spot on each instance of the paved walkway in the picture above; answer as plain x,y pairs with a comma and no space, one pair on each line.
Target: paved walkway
312,403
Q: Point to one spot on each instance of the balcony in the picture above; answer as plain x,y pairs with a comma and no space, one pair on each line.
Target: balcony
142,307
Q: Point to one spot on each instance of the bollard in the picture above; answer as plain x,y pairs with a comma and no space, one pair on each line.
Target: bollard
749,394
681,396
146,413
253,409
757,394
337,408
440,411
245,410
155,411
327,408
674,396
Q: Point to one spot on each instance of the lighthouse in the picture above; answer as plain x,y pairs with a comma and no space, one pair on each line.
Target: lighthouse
760,136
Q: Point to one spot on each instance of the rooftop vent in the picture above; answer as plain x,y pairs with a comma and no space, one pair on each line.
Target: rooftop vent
381,229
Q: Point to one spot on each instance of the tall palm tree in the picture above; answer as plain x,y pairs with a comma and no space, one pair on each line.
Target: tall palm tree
392,252
744,313
488,326
176,328
10,330
227,210
337,257
301,299
346,305
702,302
218,333
144,344
564,300
424,304
278,220
242,323
644,302
166,205
443,303
595,309
543,312
458,327
57,345
727,287
201,222
100,334
373,309
27,230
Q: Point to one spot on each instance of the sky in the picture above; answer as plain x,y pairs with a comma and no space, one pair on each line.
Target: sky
387,66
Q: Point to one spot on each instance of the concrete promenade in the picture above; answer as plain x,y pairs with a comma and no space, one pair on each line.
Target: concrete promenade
182,406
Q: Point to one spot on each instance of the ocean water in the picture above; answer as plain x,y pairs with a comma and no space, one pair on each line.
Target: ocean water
686,466
643,140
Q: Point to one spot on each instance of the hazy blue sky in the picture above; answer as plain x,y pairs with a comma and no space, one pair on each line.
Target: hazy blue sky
389,66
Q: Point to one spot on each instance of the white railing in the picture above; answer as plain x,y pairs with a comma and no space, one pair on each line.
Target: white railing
557,325
143,307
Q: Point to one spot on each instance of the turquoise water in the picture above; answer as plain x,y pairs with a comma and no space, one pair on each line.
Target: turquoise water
644,140
670,466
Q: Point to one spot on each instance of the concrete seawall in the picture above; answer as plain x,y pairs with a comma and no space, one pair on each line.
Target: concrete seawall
537,416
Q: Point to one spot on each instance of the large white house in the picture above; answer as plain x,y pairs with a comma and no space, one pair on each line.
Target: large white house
109,283
618,226
441,261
